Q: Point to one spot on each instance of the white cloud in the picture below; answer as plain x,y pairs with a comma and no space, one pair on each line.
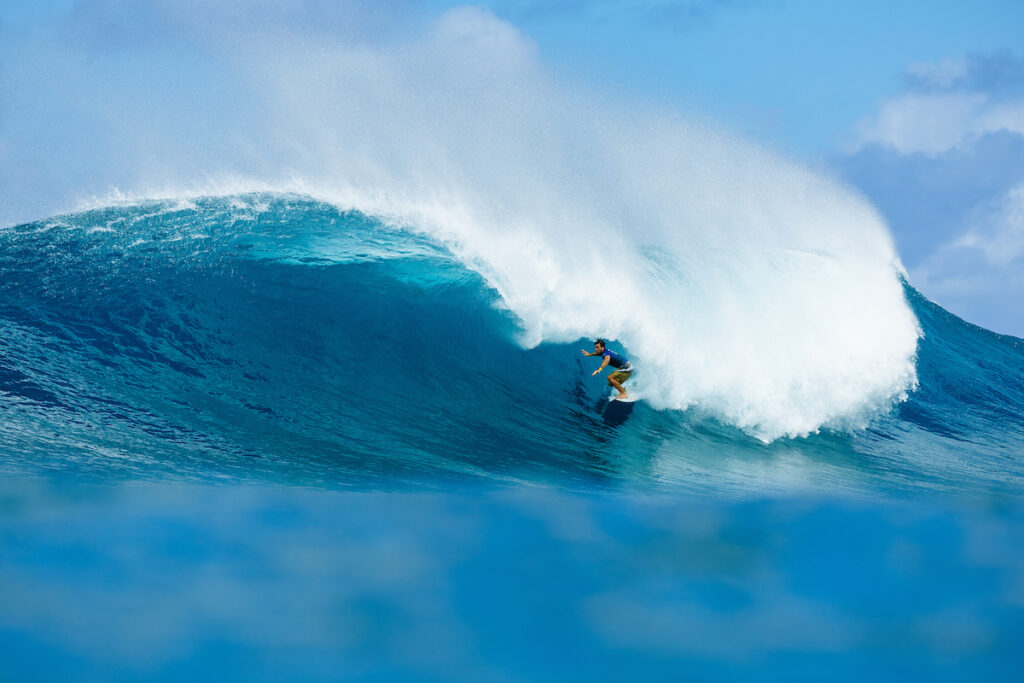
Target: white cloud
923,123
932,123
950,103
980,273
943,161
1000,237
943,73
1008,117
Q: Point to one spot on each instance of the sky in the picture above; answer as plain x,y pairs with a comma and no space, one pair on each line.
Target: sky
917,105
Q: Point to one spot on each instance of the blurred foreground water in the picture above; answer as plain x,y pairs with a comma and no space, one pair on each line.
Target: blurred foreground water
182,581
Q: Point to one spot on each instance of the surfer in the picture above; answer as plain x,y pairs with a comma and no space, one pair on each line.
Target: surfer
623,368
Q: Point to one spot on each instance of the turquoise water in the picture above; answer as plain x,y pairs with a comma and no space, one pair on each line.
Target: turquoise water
262,437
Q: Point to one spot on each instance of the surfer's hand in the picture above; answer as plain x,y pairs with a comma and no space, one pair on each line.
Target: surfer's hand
595,372
584,352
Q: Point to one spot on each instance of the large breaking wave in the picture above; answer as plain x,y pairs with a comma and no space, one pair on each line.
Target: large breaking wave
277,335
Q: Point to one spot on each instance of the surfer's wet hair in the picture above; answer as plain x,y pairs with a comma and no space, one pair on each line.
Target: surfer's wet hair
600,341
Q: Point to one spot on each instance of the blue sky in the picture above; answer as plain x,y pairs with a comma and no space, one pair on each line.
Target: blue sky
920,105
800,73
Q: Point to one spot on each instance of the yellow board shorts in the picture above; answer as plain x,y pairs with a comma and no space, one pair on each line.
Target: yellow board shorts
620,376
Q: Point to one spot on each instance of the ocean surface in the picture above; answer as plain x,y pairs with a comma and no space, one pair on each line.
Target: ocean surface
262,437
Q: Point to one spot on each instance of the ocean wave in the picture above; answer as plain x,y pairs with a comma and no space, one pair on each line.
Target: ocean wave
274,334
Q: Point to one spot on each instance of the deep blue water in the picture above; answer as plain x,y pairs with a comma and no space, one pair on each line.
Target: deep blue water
264,438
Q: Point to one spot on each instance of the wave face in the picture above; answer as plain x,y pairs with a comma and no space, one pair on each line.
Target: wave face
276,336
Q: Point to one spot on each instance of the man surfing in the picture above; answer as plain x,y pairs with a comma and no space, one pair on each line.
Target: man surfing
623,368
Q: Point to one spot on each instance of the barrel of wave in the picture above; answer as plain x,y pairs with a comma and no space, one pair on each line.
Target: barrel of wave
780,313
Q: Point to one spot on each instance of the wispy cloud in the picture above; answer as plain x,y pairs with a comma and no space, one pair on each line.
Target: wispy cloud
998,73
999,235
949,103
983,268
944,161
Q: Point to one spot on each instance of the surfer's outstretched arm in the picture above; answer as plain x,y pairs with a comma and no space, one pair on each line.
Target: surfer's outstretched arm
603,365
587,353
